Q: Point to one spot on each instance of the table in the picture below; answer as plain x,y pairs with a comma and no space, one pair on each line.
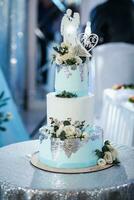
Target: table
19,180
118,116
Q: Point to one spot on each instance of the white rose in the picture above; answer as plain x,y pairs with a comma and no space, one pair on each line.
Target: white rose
86,135
70,130
110,147
58,60
101,162
113,152
78,60
72,51
66,56
78,133
108,157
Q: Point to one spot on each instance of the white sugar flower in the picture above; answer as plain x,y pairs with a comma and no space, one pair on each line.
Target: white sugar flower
101,162
78,60
108,157
72,51
43,129
69,130
58,60
78,132
110,147
113,152
66,56
85,135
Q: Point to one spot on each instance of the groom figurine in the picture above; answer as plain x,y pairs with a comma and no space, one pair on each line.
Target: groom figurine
69,27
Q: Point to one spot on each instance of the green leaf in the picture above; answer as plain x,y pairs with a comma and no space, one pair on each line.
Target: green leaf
116,162
3,104
6,99
71,61
56,128
107,142
56,49
2,94
6,119
66,123
66,94
63,135
99,153
2,128
83,59
105,148
1,115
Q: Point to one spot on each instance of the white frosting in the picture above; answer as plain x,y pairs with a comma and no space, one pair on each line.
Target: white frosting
78,108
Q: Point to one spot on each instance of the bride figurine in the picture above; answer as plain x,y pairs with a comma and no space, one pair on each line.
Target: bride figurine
64,23
69,27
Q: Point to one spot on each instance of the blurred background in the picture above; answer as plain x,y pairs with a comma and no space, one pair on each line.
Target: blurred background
28,31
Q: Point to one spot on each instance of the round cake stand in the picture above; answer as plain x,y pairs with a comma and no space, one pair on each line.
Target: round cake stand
36,162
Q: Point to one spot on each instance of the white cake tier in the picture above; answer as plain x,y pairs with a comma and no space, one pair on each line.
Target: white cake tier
77,108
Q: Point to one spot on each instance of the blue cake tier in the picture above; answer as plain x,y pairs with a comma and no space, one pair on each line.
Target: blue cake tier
74,79
71,153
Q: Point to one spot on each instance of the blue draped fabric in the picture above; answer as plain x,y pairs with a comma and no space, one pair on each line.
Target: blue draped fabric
18,46
13,45
13,61
4,36
16,131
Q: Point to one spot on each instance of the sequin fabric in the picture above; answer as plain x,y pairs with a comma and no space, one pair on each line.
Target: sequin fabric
19,180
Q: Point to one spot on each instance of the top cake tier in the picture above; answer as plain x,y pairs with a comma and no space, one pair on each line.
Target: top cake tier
72,56
72,79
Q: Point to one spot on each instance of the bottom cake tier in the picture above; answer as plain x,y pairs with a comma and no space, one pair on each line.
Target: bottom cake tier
71,153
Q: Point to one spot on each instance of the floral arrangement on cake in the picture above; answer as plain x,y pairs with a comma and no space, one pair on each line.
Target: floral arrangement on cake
75,48
123,86
66,129
4,117
65,136
108,155
131,99
65,54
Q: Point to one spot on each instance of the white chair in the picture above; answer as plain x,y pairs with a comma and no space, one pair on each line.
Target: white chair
117,118
114,64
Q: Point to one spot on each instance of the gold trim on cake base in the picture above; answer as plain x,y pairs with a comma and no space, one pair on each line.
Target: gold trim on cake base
35,162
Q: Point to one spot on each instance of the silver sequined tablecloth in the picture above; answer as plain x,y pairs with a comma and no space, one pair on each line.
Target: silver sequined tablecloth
19,180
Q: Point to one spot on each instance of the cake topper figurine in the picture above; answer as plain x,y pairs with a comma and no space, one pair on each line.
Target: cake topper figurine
88,41
69,27
75,48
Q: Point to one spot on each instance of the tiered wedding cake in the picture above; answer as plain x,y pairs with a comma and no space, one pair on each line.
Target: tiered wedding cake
69,140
